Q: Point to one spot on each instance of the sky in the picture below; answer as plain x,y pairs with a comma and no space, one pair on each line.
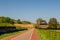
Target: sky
30,10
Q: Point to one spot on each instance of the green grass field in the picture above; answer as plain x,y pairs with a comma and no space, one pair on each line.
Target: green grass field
9,34
49,34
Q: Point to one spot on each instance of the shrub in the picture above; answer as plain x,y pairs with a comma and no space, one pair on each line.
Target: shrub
37,26
20,28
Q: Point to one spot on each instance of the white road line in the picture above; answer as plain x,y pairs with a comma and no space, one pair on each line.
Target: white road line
31,34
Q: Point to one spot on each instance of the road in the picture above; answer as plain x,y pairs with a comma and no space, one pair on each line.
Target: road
29,35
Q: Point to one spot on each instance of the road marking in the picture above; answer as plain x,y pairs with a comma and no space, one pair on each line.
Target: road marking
27,34
31,35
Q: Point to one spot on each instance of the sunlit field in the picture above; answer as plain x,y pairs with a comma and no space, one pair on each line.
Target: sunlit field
49,34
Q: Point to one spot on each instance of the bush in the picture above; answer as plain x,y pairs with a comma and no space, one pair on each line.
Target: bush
20,28
37,26
6,24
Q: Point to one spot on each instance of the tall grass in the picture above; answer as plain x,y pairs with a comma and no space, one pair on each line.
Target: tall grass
49,34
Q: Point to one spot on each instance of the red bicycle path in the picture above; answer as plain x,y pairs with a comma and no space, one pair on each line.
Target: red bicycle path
35,36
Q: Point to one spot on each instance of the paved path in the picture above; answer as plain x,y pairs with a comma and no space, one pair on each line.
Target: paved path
29,35
35,36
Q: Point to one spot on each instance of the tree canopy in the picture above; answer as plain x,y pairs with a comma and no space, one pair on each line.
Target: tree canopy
53,23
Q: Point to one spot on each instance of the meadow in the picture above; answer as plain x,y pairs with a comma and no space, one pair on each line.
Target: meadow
48,34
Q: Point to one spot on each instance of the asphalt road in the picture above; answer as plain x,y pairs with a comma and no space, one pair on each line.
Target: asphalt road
25,36
28,35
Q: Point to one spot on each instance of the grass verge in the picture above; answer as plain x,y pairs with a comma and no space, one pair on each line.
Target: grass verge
48,34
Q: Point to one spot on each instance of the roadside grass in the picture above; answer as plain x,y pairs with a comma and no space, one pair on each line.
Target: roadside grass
48,34
9,34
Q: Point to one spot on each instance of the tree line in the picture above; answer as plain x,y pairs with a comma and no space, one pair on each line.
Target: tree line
8,20
52,23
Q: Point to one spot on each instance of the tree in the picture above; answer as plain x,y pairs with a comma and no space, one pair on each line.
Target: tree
52,23
39,20
18,21
12,21
6,20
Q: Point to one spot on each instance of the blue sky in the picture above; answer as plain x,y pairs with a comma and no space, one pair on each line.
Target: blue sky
30,9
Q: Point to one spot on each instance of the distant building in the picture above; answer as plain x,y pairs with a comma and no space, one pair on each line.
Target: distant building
43,24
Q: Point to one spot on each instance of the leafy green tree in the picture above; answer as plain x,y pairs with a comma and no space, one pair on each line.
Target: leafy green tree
18,21
2,19
39,20
52,23
6,20
12,21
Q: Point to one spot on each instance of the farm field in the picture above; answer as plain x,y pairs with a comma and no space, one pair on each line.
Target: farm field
48,34
9,34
